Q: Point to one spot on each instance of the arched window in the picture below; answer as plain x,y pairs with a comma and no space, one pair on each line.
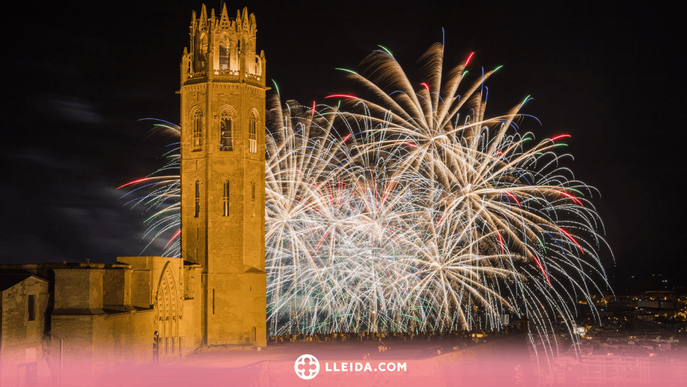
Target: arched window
197,130
226,138
258,65
253,133
225,199
197,200
224,52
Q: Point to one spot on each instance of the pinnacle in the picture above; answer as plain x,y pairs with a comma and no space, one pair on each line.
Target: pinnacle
224,15
224,18
203,17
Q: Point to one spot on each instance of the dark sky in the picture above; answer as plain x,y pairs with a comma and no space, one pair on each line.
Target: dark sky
79,78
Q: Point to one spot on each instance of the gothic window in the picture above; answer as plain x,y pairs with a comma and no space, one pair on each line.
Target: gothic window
253,133
197,130
225,199
224,52
197,200
226,138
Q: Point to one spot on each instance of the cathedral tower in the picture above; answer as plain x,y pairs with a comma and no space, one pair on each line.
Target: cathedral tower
223,174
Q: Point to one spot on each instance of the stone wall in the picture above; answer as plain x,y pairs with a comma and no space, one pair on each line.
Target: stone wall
236,309
109,314
21,339
102,315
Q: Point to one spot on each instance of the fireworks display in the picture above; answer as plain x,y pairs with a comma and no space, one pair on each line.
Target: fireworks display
411,210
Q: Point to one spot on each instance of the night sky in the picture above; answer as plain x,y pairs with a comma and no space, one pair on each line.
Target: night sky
80,77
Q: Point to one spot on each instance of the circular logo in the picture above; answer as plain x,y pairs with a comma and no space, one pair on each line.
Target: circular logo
306,367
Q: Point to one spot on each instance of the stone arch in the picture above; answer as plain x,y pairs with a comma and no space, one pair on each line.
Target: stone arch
168,312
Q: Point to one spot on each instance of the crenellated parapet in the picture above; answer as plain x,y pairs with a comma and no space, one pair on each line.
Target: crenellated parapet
223,49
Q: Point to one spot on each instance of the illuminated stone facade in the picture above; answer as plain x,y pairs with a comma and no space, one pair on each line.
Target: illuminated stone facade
96,315
223,175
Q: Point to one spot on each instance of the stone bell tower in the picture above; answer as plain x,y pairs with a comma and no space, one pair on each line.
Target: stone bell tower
223,174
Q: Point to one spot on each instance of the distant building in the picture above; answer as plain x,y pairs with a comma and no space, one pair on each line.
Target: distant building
23,302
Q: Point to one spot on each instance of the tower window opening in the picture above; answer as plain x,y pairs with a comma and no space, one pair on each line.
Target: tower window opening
225,199
197,130
32,308
226,139
253,134
203,50
197,200
224,53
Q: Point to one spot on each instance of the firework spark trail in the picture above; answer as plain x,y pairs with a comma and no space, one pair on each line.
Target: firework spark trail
400,215
499,195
